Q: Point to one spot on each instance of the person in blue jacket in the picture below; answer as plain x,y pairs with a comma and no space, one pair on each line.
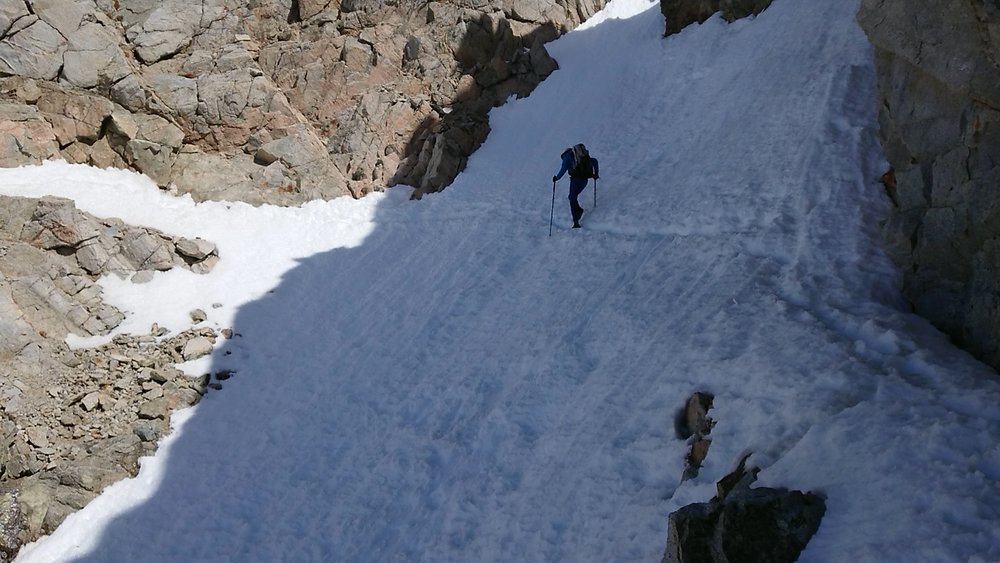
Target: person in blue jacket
581,167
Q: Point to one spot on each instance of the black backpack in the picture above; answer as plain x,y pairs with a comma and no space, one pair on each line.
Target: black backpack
582,167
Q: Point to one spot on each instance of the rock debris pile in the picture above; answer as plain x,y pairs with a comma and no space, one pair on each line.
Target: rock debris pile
67,433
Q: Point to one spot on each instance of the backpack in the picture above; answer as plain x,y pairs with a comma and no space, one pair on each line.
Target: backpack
582,167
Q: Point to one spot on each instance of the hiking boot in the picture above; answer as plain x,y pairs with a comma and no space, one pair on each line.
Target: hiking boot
576,225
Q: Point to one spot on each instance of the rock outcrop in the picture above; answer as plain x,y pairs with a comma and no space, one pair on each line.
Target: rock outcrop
50,255
939,114
270,101
693,424
678,14
744,524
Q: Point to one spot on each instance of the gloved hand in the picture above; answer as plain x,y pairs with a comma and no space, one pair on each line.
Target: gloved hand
596,177
555,179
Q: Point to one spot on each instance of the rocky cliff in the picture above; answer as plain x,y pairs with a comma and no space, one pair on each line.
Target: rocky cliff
276,101
938,66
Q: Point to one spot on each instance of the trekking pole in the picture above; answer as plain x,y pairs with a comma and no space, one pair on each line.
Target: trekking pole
553,209
595,193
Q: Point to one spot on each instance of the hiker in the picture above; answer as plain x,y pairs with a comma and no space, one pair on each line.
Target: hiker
581,167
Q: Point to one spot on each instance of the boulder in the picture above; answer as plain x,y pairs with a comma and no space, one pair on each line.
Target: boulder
152,159
131,93
693,424
94,58
744,524
146,251
158,130
95,258
210,176
196,249
25,136
74,115
147,431
32,48
298,148
103,156
196,348
154,409
178,94
90,401
10,12
122,127
90,474
65,16
57,223
692,419
44,504
165,30
38,436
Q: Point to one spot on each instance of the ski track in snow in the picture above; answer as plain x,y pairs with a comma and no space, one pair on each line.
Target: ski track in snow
442,381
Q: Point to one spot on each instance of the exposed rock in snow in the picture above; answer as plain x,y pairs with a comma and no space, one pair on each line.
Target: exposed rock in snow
693,424
196,348
744,524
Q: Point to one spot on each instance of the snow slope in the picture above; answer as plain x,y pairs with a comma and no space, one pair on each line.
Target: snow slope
442,381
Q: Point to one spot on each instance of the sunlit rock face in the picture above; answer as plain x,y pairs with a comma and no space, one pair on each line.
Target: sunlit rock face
268,101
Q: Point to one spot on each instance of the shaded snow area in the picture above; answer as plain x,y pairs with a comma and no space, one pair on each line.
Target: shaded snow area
440,380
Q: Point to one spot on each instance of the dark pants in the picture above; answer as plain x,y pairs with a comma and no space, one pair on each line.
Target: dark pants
576,185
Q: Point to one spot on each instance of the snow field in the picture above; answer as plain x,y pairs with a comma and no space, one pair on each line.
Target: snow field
442,381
